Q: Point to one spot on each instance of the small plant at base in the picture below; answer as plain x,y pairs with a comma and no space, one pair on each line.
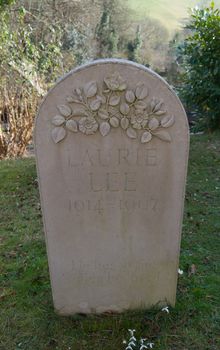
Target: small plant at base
133,344
165,309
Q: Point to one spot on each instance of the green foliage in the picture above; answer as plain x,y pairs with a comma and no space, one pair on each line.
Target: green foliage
74,43
32,60
29,64
4,3
134,46
201,51
172,67
106,33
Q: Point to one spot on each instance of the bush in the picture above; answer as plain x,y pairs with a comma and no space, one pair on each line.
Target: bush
17,112
28,67
201,60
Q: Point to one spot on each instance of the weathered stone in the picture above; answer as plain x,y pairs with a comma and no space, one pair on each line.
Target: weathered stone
112,191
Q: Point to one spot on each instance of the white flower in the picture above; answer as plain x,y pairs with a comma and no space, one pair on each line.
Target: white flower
129,348
131,343
180,272
165,309
142,340
150,345
124,342
131,331
143,347
132,339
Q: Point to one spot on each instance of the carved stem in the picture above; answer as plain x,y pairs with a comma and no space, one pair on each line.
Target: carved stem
107,102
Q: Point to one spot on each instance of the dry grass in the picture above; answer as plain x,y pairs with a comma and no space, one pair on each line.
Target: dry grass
17,112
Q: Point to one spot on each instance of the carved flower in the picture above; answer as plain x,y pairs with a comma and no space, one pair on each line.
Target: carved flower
139,121
88,125
115,82
115,107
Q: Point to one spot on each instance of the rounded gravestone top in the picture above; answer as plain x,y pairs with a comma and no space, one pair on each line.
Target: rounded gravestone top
104,95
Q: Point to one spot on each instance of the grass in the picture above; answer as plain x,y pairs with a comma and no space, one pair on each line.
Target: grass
27,319
170,13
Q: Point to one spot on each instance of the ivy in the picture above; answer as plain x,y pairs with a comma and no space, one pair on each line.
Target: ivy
21,52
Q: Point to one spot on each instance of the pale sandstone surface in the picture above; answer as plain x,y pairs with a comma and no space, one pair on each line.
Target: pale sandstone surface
112,205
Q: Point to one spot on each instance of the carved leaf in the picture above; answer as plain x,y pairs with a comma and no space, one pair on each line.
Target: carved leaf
146,137
129,96
162,135
114,122
124,108
77,95
153,124
115,112
152,105
122,87
94,105
160,112
158,105
114,100
90,89
65,110
104,128
71,99
58,134
58,120
78,91
131,133
72,125
167,121
103,114
140,105
101,98
124,123
141,91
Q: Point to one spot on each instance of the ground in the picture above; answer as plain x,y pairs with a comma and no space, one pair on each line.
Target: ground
27,319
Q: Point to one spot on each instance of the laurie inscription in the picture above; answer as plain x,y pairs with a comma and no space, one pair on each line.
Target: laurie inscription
114,157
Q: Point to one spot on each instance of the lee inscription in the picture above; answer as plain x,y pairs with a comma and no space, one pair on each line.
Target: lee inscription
113,182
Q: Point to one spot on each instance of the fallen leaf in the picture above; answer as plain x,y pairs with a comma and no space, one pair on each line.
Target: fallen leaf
192,270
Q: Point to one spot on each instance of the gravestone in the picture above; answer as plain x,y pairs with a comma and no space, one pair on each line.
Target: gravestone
111,143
